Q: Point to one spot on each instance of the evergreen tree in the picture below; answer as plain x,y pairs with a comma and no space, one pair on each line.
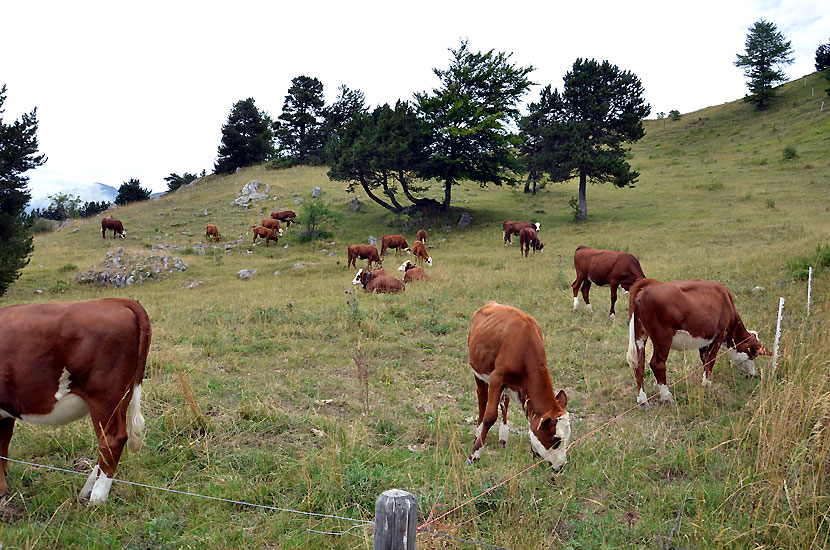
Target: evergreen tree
91,208
469,115
349,104
823,62
18,155
246,138
766,50
582,131
174,181
299,130
131,191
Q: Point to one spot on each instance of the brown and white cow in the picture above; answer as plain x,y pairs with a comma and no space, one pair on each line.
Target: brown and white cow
422,236
264,233
419,250
212,232
604,267
686,315
527,240
116,226
510,228
412,273
393,241
286,216
375,273
507,355
271,223
62,361
362,252
380,284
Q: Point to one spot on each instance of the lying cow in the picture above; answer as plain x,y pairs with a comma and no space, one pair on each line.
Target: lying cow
507,355
363,252
116,226
212,232
686,315
62,361
510,228
412,273
419,249
285,216
375,273
380,284
271,223
264,233
422,236
527,240
604,267
393,241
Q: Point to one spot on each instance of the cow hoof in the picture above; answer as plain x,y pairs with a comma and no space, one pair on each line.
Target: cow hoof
644,406
502,443
611,316
469,462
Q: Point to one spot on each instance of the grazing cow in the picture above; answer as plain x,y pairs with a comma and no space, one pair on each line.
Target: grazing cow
686,315
212,232
507,355
271,223
116,226
62,361
412,273
363,252
604,267
420,252
375,273
422,235
380,284
527,240
393,241
512,228
265,233
286,216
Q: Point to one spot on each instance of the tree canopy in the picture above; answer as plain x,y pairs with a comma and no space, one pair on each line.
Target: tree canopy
174,181
348,105
131,191
299,130
246,138
823,62
766,50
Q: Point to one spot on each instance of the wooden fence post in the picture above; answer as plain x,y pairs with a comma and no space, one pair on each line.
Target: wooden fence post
396,520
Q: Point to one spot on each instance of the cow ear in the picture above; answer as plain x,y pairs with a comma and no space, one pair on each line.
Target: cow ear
562,398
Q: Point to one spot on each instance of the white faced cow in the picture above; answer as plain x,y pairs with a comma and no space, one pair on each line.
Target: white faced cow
507,355
62,361
686,315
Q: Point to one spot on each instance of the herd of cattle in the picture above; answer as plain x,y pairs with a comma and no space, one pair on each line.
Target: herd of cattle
97,350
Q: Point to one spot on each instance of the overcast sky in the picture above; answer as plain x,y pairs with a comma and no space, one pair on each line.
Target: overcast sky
141,89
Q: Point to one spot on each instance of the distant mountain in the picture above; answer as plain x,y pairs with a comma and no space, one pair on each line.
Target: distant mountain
93,192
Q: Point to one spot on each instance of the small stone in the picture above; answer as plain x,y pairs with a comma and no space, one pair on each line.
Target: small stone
373,240
76,230
276,273
299,266
297,201
354,204
38,291
465,220
245,273
316,192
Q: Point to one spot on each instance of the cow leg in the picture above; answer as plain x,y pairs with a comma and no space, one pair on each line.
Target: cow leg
488,418
658,366
110,423
707,357
586,288
504,429
6,429
639,370
575,286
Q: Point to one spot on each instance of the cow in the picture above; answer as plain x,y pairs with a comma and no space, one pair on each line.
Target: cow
686,315
363,252
62,361
265,233
271,223
422,235
286,216
380,284
510,228
393,241
508,359
116,226
527,240
375,273
412,273
604,267
212,232
420,252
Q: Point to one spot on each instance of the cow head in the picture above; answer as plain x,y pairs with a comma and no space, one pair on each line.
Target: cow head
744,353
429,261
405,266
364,278
549,435
356,280
539,245
538,226
123,234
280,231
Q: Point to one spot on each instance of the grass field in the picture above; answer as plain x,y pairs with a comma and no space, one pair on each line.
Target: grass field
252,391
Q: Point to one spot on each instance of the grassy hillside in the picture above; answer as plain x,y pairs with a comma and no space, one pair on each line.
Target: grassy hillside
252,391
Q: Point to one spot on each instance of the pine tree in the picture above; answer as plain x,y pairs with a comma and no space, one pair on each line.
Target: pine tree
348,105
246,138
299,131
823,62
18,154
766,50
131,191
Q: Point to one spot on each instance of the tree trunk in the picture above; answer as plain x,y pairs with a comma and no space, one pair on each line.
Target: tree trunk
412,198
376,198
388,192
583,203
447,195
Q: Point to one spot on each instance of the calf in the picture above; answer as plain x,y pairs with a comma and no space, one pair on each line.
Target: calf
212,232
527,240
265,233
419,249
363,252
62,361
604,267
412,273
375,273
116,226
422,236
508,359
271,223
286,216
393,241
510,228
380,284
686,315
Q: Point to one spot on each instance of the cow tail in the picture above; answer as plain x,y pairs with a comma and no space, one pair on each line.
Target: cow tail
135,420
632,355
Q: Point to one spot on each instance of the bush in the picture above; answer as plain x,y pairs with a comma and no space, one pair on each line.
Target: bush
313,216
799,267
574,204
42,225
789,153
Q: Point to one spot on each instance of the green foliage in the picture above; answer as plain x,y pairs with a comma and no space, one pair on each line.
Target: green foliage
43,225
766,50
18,155
823,62
789,152
573,202
348,105
674,115
246,138
799,268
131,191
314,216
771,203
91,208
174,181
299,130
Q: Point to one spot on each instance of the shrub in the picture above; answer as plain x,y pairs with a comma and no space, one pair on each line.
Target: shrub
42,225
789,153
574,204
800,267
314,215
